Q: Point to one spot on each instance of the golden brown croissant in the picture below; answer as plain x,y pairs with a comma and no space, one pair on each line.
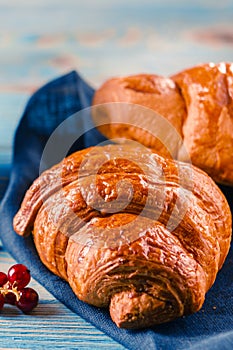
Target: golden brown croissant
198,102
130,230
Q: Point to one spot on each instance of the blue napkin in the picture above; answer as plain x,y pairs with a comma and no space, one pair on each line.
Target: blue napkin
210,328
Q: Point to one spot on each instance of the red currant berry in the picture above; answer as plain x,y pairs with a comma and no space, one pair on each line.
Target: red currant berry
3,279
19,276
1,301
28,300
10,298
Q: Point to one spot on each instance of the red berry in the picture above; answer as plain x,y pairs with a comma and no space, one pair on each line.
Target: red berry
10,298
1,301
28,300
3,279
19,276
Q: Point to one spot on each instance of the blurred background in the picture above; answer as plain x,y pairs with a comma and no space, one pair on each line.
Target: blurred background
40,40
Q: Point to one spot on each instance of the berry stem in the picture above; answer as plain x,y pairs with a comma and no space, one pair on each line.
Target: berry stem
7,288
13,289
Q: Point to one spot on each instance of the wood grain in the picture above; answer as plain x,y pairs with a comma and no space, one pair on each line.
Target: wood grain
40,40
50,326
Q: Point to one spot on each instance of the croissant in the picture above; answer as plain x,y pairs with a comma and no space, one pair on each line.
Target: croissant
198,102
129,230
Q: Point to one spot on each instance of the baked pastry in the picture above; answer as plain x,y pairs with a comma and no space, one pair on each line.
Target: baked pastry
198,102
152,91
130,230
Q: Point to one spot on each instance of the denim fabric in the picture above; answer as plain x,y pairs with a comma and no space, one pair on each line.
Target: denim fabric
210,328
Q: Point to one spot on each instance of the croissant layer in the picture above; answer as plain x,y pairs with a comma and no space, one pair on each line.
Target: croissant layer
197,102
129,230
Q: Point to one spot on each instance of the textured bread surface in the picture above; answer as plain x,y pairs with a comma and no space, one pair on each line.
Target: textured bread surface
198,102
129,230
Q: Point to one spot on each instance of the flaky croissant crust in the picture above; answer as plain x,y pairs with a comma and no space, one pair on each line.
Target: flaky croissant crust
198,102
129,230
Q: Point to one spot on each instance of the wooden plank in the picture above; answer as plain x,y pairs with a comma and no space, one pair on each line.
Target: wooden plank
40,40
50,326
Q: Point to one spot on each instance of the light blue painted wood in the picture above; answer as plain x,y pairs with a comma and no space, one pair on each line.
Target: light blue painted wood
50,326
40,40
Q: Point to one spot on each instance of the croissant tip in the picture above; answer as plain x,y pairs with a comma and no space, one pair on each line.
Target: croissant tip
131,310
17,227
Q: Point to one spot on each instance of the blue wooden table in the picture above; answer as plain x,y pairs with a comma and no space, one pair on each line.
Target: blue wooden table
40,40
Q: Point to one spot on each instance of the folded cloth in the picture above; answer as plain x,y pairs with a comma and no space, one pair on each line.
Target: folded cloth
210,328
